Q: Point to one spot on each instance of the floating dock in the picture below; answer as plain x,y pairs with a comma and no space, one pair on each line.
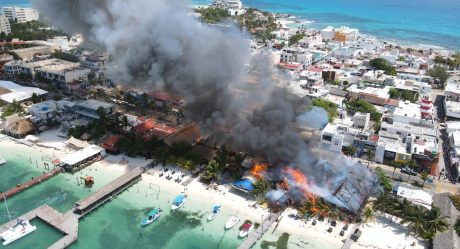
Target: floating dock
257,234
21,187
65,223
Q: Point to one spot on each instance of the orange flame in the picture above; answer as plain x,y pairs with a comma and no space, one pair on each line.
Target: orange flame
300,182
258,170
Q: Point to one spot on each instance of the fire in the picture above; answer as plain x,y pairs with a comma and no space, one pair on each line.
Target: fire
296,179
258,170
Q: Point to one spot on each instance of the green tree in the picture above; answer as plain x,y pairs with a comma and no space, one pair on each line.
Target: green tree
368,214
411,164
213,15
439,73
296,38
350,150
370,155
424,176
65,56
382,64
329,106
261,187
394,93
212,171
395,165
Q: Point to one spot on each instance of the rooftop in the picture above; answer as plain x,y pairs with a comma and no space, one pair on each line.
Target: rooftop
14,92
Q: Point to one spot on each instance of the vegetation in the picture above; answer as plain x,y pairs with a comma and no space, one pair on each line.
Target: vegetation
421,222
425,176
370,155
368,214
382,64
403,95
452,62
296,38
10,109
384,180
361,105
212,171
213,15
329,106
261,187
350,150
457,226
32,30
395,165
438,73
65,56
456,201
259,23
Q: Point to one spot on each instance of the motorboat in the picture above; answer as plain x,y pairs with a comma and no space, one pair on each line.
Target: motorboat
245,229
214,212
21,229
152,216
179,201
232,222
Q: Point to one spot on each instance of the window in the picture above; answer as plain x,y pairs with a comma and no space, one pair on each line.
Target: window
327,137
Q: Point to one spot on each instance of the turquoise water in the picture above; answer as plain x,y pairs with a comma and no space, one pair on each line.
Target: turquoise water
408,21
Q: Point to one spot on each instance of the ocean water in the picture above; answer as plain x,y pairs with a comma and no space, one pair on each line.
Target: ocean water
116,224
416,22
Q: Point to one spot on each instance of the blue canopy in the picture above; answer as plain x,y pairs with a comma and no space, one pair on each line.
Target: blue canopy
179,199
216,208
244,184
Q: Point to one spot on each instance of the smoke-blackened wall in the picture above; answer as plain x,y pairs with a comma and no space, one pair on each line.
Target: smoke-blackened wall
160,45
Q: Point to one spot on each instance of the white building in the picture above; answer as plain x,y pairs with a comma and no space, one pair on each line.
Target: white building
328,33
452,99
4,25
310,41
20,14
296,55
52,69
10,92
88,108
346,53
361,120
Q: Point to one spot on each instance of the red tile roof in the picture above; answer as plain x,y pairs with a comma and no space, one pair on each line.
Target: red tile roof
110,143
164,97
144,126
392,102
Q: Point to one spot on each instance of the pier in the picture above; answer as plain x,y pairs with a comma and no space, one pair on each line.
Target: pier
65,223
21,187
257,234
68,223
108,191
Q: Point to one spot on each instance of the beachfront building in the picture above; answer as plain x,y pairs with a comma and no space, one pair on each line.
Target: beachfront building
234,7
311,40
20,14
346,53
89,108
30,53
340,34
296,55
49,109
16,126
5,27
11,92
150,128
82,158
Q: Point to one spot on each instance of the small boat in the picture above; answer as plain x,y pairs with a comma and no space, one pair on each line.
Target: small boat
214,212
247,227
21,229
179,201
232,222
2,161
152,216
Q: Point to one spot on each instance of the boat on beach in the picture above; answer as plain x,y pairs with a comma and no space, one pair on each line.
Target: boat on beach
21,229
152,216
179,201
232,222
214,212
247,227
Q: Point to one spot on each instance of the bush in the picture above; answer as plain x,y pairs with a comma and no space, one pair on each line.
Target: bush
382,64
456,201
329,106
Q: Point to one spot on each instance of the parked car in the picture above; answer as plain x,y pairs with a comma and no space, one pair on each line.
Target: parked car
409,171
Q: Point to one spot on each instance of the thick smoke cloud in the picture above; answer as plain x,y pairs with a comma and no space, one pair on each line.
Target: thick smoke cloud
159,45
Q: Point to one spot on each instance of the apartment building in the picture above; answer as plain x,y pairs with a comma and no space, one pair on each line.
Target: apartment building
4,25
20,14
296,55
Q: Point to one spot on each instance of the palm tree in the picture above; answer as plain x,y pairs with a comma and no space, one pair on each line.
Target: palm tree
261,187
368,214
412,164
424,176
395,165
370,154
211,171
457,226
382,203
432,223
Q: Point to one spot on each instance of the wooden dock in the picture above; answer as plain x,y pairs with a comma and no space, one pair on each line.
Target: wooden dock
21,187
108,191
65,223
257,234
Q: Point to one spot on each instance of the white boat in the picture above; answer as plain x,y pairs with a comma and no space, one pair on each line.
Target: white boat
2,161
232,222
247,227
179,201
214,212
21,229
